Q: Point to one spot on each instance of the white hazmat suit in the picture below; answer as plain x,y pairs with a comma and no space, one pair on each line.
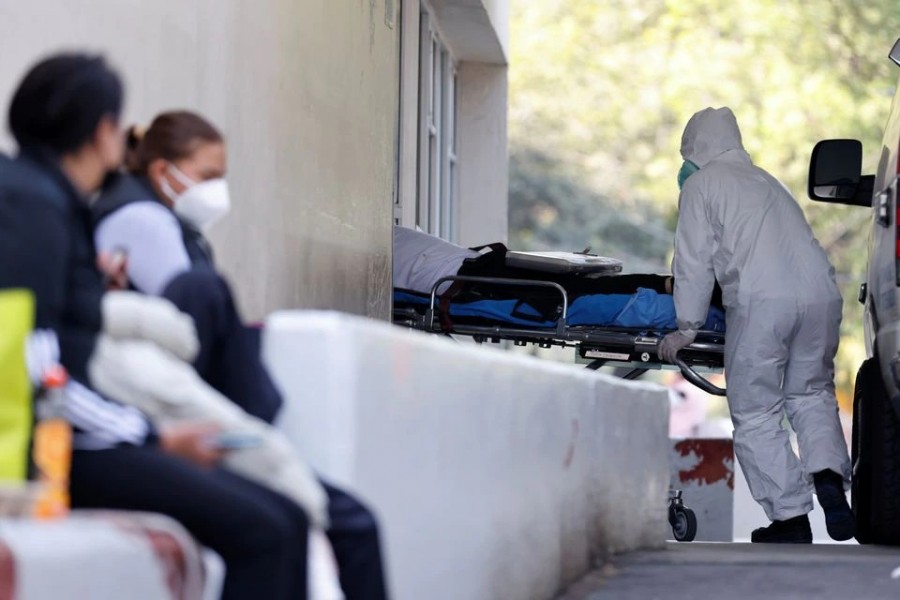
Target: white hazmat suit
739,225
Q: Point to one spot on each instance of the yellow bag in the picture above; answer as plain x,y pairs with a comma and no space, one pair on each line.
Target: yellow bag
16,416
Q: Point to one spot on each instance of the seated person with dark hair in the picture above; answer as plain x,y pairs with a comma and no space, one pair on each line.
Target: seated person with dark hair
64,116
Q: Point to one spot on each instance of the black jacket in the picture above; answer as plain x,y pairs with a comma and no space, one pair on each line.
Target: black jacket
46,247
124,189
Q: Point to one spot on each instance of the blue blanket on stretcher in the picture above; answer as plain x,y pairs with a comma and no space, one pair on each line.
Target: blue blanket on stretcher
644,309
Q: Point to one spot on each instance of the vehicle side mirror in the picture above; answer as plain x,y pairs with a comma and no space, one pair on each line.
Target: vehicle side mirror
895,53
835,174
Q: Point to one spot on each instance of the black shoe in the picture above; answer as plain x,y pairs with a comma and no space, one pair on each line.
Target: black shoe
839,518
790,531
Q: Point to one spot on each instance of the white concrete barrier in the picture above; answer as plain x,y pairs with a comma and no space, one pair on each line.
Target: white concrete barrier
105,555
494,476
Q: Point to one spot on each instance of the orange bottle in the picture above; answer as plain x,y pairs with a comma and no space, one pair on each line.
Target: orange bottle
52,450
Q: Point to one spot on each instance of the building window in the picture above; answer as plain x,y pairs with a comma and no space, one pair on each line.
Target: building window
437,175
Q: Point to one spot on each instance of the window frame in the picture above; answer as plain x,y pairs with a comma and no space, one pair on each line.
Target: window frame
438,160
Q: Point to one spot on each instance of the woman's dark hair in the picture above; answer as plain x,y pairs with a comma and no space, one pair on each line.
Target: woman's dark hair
62,100
171,136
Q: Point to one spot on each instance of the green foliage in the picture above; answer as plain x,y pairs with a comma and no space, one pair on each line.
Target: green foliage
600,93
557,210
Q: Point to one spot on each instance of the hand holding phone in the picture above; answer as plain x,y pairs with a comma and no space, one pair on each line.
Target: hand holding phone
226,440
114,266
188,439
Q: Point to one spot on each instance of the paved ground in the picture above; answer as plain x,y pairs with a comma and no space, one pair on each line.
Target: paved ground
700,571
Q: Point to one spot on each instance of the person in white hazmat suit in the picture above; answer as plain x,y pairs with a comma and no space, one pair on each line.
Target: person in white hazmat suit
739,225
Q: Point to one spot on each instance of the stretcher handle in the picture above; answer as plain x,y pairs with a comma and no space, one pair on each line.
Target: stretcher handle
697,379
500,281
707,347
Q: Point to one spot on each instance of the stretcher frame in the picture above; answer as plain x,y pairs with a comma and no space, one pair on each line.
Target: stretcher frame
597,346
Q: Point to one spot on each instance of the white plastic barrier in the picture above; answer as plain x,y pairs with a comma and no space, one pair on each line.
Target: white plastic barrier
493,475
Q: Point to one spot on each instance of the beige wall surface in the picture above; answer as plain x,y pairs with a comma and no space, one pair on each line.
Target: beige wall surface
475,30
499,13
483,156
307,94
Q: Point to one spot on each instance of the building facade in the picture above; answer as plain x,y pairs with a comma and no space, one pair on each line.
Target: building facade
342,118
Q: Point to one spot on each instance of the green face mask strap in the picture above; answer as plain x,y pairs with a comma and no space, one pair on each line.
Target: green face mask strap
687,169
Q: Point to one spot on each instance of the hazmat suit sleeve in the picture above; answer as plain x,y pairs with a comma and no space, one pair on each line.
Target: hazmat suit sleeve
692,265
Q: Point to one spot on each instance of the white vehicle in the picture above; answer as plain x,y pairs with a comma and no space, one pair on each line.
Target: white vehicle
835,176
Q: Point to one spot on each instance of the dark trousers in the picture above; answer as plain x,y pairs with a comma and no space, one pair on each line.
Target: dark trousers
229,358
354,537
262,536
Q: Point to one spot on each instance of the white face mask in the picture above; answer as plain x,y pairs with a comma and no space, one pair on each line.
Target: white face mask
200,204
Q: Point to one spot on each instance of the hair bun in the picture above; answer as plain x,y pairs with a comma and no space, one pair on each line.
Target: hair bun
134,136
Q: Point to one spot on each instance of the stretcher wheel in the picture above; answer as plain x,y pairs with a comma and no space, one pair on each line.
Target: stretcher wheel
684,523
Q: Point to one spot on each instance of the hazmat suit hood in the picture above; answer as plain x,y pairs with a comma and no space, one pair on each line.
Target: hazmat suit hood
709,133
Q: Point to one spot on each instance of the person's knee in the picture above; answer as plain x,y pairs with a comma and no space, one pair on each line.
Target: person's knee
756,420
356,531
347,513
363,529
276,529
366,523
198,283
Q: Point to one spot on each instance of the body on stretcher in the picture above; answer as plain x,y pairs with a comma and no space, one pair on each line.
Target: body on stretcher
604,329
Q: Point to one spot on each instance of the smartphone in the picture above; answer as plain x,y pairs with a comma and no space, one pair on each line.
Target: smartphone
114,266
234,441
118,258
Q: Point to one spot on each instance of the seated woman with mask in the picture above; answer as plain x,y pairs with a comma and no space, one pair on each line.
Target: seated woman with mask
153,220
155,215
178,192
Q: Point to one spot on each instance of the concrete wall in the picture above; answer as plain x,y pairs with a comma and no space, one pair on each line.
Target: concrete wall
483,155
475,30
104,555
494,476
498,10
307,93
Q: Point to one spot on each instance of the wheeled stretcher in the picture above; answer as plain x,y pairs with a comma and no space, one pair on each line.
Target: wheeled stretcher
597,344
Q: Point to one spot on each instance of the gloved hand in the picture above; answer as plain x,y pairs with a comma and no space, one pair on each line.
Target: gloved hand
129,315
670,345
